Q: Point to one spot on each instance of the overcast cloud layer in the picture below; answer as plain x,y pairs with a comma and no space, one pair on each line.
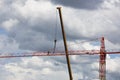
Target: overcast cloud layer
88,4
29,25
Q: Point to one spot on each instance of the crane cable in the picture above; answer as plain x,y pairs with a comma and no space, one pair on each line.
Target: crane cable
55,40
84,41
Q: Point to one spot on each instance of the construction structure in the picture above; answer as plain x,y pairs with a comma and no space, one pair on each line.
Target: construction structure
101,52
102,56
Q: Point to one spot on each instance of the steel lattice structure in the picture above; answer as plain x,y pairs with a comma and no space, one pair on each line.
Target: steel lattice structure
102,56
101,52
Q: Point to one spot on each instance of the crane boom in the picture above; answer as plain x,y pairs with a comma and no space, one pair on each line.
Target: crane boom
102,53
12,55
31,54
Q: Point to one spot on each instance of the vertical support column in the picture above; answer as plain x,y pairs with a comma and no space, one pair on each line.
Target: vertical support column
102,63
65,43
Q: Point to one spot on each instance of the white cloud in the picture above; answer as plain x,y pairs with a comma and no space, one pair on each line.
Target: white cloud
9,24
1,3
19,71
111,46
113,64
93,23
110,3
25,70
84,45
32,33
34,9
89,46
39,19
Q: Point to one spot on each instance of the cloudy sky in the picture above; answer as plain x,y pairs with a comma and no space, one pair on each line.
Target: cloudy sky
30,25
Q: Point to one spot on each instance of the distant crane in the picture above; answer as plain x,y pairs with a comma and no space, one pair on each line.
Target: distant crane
102,56
102,53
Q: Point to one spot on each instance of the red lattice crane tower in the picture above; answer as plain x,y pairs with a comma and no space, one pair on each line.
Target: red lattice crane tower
102,63
102,59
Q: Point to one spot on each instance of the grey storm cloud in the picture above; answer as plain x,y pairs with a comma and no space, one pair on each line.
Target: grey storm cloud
80,4
39,36
37,33
35,26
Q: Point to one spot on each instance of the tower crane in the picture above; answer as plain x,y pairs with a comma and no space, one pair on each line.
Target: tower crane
101,52
102,56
